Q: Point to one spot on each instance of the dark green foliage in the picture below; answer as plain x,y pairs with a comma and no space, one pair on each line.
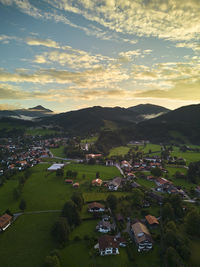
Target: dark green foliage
172,258
22,205
59,172
193,172
192,223
167,212
137,197
52,261
112,202
16,193
78,199
156,172
70,211
60,231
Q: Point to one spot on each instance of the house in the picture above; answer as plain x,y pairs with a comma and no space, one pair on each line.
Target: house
5,221
96,207
109,162
105,217
162,181
108,245
122,241
68,181
114,184
142,236
197,189
76,185
156,197
97,182
56,166
105,226
93,156
151,220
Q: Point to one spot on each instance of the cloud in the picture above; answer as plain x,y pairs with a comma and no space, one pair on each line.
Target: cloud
10,106
42,42
192,45
8,91
172,20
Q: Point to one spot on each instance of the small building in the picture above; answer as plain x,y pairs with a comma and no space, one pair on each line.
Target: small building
105,226
114,184
108,245
142,236
76,185
109,162
68,181
5,221
151,220
97,182
96,207
93,156
56,166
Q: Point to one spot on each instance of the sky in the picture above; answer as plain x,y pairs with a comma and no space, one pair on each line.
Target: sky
72,54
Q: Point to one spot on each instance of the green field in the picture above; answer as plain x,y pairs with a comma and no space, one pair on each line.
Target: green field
6,196
38,131
119,151
27,241
58,152
188,156
146,183
90,139
45,191
81,255
152,147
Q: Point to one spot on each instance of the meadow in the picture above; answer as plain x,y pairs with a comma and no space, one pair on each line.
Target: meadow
119,151
27,241
58,152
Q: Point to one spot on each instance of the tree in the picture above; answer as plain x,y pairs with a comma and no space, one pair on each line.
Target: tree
22,205
78,199
97,174
172,258
112,202
71,212
192,222
59,172
167,212
16,193
156,172
52,261
61,230
137,197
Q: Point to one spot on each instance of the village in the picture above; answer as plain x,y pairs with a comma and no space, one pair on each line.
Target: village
125,208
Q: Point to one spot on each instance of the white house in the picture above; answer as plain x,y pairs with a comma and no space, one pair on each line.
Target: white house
108,245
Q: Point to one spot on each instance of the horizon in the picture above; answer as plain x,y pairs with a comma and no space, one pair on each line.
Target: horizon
68,55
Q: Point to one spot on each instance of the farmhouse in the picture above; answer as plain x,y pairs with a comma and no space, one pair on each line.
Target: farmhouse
5,221
96,207
151,220
105,226
142,236
76,185
93,156
114,184
56,166
68,181
108,245
97,182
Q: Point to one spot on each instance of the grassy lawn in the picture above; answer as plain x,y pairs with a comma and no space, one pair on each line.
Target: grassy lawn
182,182
38,131
86,228
58,152
147,259
152,147
83,257
90,139
119,151
44,190
27,241
188,156
6,196
146,183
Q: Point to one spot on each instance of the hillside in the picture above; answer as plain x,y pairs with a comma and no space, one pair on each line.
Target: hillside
148,111
90,120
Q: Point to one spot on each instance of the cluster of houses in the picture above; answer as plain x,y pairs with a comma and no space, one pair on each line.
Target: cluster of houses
110,244
20,154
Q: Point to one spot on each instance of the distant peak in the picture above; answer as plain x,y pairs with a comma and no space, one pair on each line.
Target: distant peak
40,108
